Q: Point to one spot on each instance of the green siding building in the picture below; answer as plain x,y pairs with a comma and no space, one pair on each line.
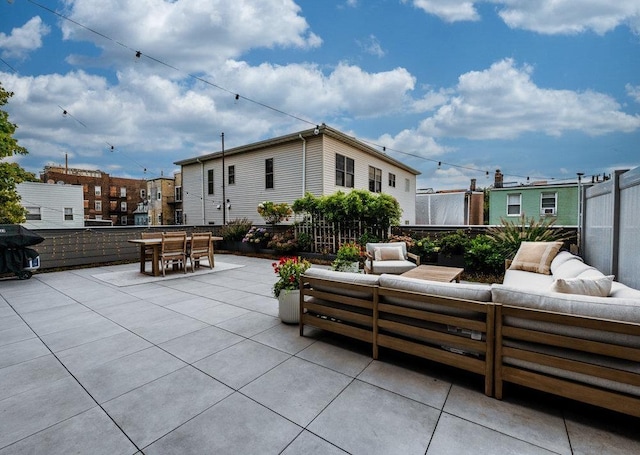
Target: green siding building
538,201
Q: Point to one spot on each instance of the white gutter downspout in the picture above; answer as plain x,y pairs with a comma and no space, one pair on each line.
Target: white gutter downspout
304,164
202,183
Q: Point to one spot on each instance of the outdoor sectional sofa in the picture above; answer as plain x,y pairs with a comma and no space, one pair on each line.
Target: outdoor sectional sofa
580,347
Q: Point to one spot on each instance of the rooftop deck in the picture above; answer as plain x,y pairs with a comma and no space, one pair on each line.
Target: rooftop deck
200,363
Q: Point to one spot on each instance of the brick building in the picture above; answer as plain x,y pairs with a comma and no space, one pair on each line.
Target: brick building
104,197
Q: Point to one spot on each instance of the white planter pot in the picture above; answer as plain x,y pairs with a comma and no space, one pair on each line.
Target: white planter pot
289,306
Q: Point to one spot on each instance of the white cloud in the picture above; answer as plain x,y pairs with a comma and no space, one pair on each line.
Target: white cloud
634,92
23,40
372,46
193,35
543,16
448,10
567,17
503,102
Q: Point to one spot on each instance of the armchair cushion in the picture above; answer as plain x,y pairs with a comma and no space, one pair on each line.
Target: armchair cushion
388,253
594,286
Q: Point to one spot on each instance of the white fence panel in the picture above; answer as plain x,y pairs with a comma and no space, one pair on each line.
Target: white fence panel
629,245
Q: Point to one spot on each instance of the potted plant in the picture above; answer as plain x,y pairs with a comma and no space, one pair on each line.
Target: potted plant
256,238
347,258
287,288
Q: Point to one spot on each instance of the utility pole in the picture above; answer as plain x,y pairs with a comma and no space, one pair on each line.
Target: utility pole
224,196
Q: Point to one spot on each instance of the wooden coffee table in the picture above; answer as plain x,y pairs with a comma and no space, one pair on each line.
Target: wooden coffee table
435,273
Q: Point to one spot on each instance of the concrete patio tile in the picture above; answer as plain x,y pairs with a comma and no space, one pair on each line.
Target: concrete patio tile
138,318
60,324
219,313
122,309
89,355
22,351
309,444
28,303
286,337
112,379
595,431
367,420
260,303
234,426
32,411
459,436
192,305
38,319
112,298
163,330
241,363
249,324
6,310
350,361
531,421
90,432
151,411
18,333
77,336
297,389
168,296
31,374
409,383
200,344
10,321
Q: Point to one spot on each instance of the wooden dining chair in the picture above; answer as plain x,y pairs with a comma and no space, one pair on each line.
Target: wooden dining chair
201,246
174,250
148,251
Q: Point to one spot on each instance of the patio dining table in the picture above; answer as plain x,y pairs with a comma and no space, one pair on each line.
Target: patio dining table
156,246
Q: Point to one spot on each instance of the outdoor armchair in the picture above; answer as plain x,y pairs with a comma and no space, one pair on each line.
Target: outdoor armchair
174,250
201,246
389,258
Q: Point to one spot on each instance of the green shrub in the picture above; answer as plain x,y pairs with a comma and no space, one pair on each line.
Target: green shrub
453,243
235,230
482,255
509,236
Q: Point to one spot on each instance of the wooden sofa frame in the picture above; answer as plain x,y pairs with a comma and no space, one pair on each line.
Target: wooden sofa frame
554,384
400,328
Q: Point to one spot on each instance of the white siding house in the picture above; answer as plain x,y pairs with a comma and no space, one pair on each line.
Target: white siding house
52,206
320,161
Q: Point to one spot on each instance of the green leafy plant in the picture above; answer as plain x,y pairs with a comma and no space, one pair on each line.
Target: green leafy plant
347,254
274,213
236,229
284,242
511,234
304,241
482,255
453,243
289,270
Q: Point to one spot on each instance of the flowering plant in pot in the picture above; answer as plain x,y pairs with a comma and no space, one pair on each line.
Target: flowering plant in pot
256,236
289,270
348,258
287,288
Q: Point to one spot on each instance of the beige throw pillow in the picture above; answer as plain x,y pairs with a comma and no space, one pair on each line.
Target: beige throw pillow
535,256
593,286
388,253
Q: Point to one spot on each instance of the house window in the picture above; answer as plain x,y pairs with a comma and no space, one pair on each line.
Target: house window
123,191
392,180
33,213
68,214
85,188
123,220
113,206
375,179
159,218
548,203
232,175
178,193
97,190
143,194
344,171
178,216
514,202
159,195
210,181
268,173
123,206
113,191
85,203
407,185
98,206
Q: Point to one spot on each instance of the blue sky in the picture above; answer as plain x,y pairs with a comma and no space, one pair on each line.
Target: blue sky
540,89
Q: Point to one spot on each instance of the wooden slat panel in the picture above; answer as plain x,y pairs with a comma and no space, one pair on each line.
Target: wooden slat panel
340,314
433,336
360,303
431,316
336,327
462,304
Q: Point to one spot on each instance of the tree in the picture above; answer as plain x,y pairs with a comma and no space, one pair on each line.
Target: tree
11,212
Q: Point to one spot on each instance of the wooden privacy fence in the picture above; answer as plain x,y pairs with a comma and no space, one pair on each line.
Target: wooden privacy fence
326,236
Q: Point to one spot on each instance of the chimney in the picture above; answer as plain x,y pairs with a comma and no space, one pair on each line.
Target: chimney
499,178
472,187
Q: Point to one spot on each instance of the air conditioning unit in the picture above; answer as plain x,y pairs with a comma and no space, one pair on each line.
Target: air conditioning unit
549,212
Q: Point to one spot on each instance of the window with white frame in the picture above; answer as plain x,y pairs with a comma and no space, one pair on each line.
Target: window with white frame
33,213
68,213
178,193
268,173
97,190
159,195
392,180
123,220
123,191
514,204
231,175
123,206
375,179
548,203
143,194
97,205
407,185
344,171
210,181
